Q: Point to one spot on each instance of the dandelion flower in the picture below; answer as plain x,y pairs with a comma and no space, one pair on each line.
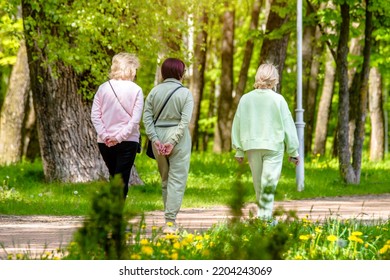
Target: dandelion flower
176,245
304,237
144,242
147,250
174,256
357,233
384,249
332,238
135,257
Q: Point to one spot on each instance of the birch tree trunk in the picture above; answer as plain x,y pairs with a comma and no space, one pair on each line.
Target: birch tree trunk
324,107
377,143
13,113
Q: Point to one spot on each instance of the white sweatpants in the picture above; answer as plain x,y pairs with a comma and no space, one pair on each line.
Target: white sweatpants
266,168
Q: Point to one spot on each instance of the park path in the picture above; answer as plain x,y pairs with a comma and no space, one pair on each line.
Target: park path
38,234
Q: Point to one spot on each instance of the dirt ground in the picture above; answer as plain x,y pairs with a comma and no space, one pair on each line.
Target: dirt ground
38,234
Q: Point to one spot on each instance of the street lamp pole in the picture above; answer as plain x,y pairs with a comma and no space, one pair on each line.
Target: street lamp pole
300,125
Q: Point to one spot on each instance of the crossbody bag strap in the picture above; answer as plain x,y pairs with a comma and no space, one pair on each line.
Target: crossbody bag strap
165,103
119,100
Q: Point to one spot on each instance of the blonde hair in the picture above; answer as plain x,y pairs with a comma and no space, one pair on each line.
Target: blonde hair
267,76
124,66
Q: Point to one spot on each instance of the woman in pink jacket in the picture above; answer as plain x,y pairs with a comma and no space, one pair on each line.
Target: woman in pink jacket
116,114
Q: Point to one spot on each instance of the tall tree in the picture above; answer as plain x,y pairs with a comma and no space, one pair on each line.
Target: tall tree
359,134
249,46
346,170
225,114
324,107
377,138
13,113
198,72
274,48
351,172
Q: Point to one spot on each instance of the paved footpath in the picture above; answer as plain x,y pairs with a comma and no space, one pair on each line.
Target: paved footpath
37,234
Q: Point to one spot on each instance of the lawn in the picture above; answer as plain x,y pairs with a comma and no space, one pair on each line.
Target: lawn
23,190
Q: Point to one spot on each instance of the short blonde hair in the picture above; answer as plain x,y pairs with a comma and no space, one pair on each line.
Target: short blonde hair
124,66
267,76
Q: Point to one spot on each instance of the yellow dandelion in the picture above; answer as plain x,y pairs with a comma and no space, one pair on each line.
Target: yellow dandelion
304,237
147,250
143,226
206,236
355,239
298,257
318,230
158,244
144,242
176,245
154,228
366,245
199,246
211,244
171,236
189,238
384,249
199,238
332,238
170,224
174,256
135,257
357,233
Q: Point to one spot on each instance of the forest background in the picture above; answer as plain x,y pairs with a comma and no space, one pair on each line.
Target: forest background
54,54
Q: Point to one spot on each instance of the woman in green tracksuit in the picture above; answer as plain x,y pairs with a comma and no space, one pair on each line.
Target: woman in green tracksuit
170,136
263,128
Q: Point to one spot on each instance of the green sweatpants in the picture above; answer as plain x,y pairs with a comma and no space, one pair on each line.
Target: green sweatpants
173,171
266,168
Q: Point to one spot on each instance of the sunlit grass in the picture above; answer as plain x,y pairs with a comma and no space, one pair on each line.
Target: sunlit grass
24,191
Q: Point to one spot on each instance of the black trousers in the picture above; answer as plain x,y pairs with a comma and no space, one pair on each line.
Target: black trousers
119,159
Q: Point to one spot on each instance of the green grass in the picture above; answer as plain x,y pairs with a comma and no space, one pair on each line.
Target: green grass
25,192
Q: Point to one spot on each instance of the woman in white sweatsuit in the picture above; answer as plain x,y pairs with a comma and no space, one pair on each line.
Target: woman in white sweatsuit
263,127
170,136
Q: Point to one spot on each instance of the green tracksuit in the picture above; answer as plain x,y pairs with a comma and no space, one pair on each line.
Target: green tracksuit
172,127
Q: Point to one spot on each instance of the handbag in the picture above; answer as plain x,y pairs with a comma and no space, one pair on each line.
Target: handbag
139,140
149,149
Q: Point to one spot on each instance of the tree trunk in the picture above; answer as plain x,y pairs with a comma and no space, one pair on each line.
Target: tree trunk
243,76
310,88
197,78
324,107
377,144
225,113
363,97
66,134
345,167
14,110
274,50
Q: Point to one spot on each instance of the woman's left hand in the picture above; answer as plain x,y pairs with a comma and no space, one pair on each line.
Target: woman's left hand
168,147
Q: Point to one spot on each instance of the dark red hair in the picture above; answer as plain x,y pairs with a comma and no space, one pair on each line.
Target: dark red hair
172,68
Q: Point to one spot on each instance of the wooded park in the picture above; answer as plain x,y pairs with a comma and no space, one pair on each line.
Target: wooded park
54,54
